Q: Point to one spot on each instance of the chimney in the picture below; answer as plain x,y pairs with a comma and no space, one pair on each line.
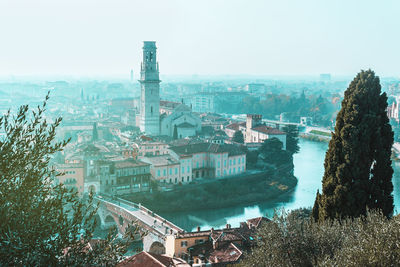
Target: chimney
228,226
198,228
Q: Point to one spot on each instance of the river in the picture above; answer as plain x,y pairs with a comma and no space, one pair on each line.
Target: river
308,168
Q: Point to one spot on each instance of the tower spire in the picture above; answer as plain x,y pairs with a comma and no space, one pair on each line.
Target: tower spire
150,90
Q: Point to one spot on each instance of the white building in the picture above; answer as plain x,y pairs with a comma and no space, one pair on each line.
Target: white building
187,123
167,169
256,132
211,160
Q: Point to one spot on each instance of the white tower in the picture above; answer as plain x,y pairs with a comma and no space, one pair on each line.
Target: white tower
150,91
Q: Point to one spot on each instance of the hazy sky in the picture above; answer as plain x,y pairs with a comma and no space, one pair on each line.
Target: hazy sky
281,37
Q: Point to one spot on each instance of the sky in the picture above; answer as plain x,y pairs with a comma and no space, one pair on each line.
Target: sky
207,37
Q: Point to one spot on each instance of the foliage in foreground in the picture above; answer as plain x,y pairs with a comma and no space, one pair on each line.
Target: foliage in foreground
296,240
42,224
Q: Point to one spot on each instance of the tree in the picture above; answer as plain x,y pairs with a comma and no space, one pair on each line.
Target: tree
238,137
357,165
272,153
292,138
43,224
175,135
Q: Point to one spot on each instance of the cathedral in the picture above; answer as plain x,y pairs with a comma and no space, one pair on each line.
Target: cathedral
180,120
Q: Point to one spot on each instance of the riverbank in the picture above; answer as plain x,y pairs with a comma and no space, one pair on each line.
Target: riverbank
222,193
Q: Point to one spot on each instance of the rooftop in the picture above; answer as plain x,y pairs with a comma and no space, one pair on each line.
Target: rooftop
232,150
149,259
129,163
161,160
268,130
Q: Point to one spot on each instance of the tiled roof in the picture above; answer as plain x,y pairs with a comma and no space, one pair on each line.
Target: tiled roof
233,126
256,222
267,130
129,163
207,147
147,259
225,254
161,160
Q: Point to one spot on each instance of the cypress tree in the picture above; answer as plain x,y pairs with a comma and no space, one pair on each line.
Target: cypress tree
238,137
175,134
357,164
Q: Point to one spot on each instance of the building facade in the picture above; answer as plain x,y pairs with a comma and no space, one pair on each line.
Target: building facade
257,132
211,160
167,170
73,175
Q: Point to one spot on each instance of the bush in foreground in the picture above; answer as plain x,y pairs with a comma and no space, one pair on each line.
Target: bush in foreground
295,240
42,224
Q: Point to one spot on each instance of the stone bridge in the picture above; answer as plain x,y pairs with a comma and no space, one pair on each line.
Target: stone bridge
120,212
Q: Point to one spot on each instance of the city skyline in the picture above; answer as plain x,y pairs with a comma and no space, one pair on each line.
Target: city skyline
95,38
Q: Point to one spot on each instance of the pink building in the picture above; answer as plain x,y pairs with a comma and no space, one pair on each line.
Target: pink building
212,160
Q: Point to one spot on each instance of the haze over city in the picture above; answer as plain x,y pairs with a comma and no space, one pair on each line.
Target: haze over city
199,133
104,38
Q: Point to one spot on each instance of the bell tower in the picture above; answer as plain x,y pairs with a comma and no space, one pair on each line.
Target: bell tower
150,91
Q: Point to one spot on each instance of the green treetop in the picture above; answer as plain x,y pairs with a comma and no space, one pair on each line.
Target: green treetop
357,165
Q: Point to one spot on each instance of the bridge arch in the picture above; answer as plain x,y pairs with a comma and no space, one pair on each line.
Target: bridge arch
109,219
157,248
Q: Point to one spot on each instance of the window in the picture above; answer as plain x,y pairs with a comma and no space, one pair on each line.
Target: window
170,171
197,164
225,163
164,172
188,178
183,244
239,161
158,173
234,161
183,169
176,170
198,241
176,180
183,179
188,169
219,164
238,169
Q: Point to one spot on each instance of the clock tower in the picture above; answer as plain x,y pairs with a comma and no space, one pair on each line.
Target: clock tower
150,91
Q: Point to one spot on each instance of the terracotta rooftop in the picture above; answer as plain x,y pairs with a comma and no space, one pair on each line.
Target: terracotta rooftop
129,163
207,147
267,130
235,126
161,160
225,254
147,259
256,221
